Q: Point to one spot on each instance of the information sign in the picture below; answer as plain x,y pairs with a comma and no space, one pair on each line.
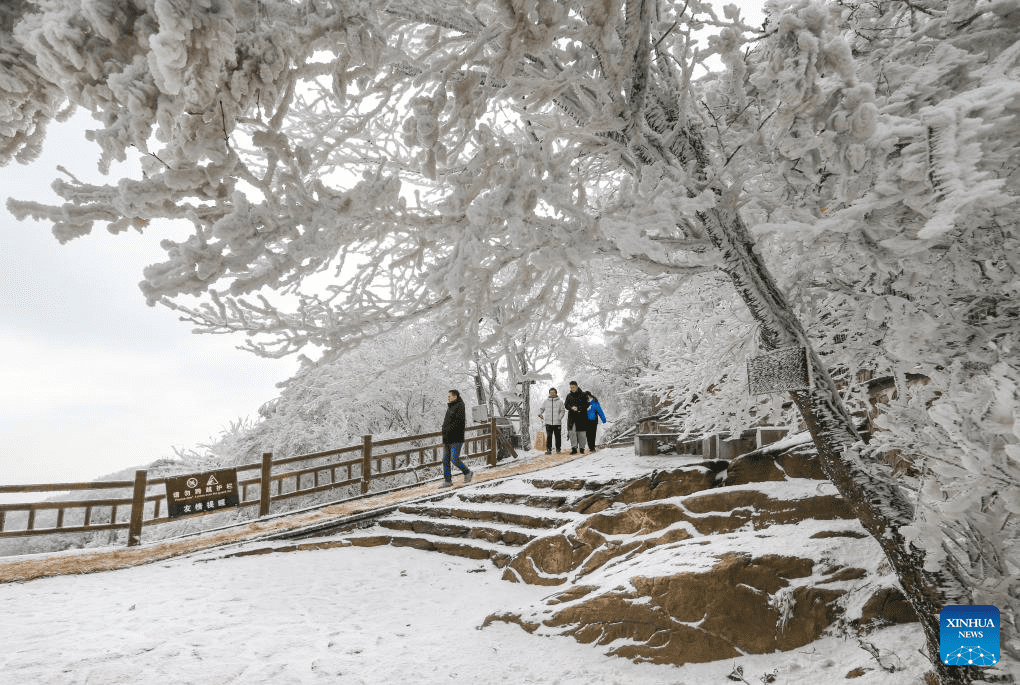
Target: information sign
202,493
480,413
779,371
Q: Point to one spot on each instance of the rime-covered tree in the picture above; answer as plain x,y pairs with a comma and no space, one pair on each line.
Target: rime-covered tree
388,387
697,341
353,167
894,229
28,101
913,266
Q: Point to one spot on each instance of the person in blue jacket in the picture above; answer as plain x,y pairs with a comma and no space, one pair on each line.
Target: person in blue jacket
594,414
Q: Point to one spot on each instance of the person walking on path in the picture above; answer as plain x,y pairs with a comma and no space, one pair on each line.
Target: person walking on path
454,424
577,417
594,414
552,412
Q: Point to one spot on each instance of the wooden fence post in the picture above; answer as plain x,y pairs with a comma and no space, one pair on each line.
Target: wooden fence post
137,510
366,462
266,484
494,438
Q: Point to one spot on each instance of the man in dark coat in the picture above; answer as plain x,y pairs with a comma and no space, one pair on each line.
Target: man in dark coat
454,424
577,417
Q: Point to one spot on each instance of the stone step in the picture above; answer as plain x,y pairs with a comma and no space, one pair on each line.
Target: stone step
481,522
575,484
498,554
507,536
536,501
492,513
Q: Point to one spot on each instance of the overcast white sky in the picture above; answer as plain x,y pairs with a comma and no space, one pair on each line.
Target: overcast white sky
92,380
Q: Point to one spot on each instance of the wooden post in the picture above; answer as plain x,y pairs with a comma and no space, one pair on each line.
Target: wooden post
137,510
266,484
366,462
493,435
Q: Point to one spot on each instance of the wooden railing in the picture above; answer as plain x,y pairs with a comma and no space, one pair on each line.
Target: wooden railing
262,483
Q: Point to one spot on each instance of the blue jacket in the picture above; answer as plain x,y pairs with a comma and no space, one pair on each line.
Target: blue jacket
595,409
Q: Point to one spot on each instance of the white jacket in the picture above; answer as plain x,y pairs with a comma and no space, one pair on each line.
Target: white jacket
552,411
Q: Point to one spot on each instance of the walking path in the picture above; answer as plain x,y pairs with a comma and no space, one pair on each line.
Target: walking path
107,559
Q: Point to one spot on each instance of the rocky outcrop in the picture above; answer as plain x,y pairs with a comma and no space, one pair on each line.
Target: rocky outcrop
559,558
886,606
708,561
657,485
692,617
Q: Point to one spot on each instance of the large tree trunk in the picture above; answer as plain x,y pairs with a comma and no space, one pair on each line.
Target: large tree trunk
479,387
876,500
522,362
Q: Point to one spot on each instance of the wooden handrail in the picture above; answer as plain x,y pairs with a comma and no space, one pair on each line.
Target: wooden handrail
64,487
394,441
65,504
423,436
317,455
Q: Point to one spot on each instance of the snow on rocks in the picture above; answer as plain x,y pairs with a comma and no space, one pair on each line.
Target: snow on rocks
682,566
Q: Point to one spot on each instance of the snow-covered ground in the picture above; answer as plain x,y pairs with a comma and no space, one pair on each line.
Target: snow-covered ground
356,615
349,615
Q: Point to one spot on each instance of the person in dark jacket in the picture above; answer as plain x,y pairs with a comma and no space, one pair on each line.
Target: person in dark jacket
577,417
454,424
594,414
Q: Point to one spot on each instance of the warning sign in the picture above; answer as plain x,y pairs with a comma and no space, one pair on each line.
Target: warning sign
202,493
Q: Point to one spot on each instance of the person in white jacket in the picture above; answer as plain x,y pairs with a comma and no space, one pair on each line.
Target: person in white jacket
552,412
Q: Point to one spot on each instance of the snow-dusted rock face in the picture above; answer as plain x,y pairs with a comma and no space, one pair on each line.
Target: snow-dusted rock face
698,617
709,561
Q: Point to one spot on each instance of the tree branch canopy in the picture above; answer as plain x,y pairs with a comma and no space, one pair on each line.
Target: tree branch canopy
292,137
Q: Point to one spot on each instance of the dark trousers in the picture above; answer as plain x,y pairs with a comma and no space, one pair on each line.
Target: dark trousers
451,453
591,429
550,431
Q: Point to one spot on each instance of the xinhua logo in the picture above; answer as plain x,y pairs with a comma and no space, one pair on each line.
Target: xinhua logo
969,635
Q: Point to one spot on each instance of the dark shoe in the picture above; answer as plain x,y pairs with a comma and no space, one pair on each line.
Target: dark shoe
573,451
548,451
582,451
468,476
